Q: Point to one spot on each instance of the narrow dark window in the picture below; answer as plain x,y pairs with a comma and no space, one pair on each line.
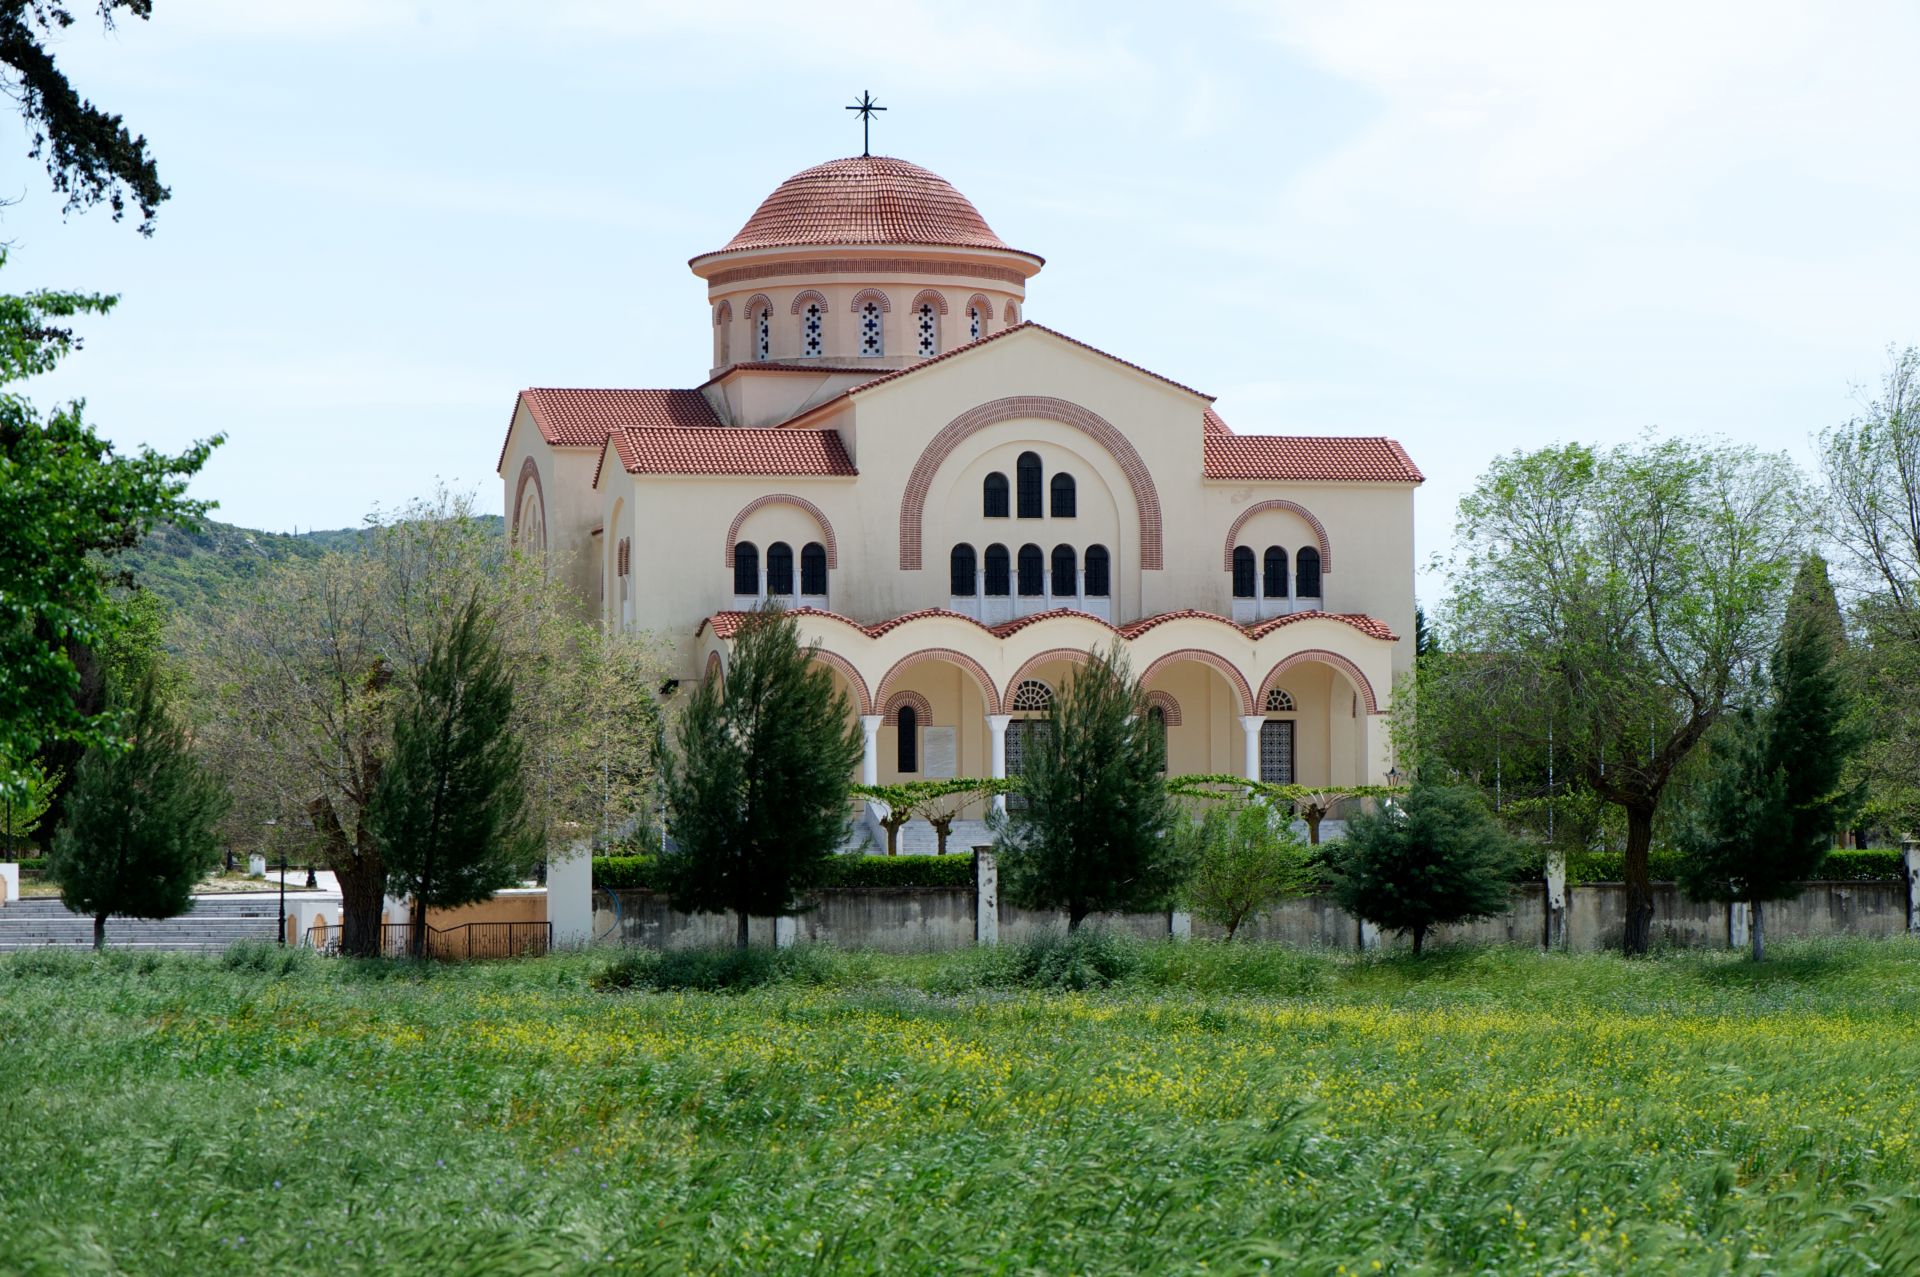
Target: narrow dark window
909,759
1274,583
746,567
1027,473
993,496
998,581
1157,723
1063,565
1242,571
813,568
1063,496
961,572
1307,572
779,568
1033,570
1096,572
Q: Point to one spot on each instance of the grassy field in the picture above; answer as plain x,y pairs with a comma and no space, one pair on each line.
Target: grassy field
1218,1110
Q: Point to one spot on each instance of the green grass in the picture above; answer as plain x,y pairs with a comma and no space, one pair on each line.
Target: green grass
1219,1109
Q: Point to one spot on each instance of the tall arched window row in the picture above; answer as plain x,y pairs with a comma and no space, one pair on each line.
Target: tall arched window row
1064,496
1243,574
926,322
871,330
813,568
960,571
1307,573
1274,573
993,496
1027,480
908,758
1063,571
999,581
1033,571
779,568
1095,582
746,568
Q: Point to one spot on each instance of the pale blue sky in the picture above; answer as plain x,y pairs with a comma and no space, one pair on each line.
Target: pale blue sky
1473,227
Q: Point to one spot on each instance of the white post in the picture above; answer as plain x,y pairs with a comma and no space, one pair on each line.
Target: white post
1251,725
1912,856
870,760
9,881
1180,924
570,896
1369,935
997,730
986,907
786,929
1556,937
1739,924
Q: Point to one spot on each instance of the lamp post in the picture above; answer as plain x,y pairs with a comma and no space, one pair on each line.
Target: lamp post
281,926
1393,777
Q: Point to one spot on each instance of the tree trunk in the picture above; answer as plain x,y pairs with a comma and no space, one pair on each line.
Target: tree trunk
1233,925
1759,933
1638,934
740,936
362,888
99,931
941,828
1313,818
417,945
1419,938
1076,914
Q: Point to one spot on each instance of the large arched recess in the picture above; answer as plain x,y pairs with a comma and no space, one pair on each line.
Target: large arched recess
1312,655
819,516
1146,499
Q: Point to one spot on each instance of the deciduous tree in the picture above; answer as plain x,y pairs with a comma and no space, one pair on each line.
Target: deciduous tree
1245,858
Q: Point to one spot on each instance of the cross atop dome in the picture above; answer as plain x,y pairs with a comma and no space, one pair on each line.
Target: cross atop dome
866,106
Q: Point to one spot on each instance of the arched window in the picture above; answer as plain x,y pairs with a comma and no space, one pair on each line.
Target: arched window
779,568
812,328
1273,582
1063,496
813,568
1032,696
999,580
993,496
871,330
926,322
746,567
1033,571
1279,701
1307,573
763,332
909,756
1013,313
1027,477
1157,724
1242,572
1063,565
961,571
723,326
1095,582
976,322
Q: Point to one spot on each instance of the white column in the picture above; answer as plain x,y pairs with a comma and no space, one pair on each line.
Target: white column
1251,726
870,760
570,896
1910,853
997,730
1556,936
986,907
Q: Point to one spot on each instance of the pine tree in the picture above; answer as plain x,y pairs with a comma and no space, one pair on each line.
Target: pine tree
758,793
449,812
1439,857
140,824
1095,829
1778,790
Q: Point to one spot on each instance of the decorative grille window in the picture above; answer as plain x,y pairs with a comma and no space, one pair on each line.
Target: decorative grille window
974,323
929,324
870,329
811,324
1274,573
763,333
1027,477
1032,695
746,568
1025,737
1279,701
1095,576
813,568
1276,751
779,568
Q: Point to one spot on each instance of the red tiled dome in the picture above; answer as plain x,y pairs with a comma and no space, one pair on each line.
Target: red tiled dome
866,199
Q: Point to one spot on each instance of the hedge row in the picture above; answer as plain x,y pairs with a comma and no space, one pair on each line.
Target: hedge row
1878,864
639,873
28,864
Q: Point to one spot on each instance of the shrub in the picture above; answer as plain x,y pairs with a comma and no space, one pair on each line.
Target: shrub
265,957
640,873
630,873
1084,958
1873,864
728,970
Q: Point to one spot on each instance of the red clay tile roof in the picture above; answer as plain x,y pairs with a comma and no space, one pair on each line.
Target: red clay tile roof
1212,424
1367,625
1308,458
865,199
730,450
727,624
573,418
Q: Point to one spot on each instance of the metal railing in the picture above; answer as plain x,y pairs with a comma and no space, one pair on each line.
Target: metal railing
469,940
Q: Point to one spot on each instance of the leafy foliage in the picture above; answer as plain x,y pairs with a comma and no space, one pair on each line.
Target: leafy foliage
22,810
1244,859
1438,858
642,873
140,831
757,795
938,802
1095,829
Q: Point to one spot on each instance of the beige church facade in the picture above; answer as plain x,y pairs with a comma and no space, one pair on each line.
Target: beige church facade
959,504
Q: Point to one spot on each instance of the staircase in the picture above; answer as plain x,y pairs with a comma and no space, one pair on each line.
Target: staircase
209,927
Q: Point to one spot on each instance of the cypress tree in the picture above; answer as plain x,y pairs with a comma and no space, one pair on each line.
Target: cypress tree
140,825
758,792
1778,790
1439,857
1095,828
449,811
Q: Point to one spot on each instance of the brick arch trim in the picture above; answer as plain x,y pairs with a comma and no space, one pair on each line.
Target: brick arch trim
1078,655
1325,657
784,498
715,668
873,295
1012,315
1169,707
809,295
980,302
863,700
529,473
988,692
723,313
1226,668
934,295
1294,507
1146,498
921,706
755,302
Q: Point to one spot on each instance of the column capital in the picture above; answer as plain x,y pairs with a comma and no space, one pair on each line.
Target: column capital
1251,723
870,723
998,722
